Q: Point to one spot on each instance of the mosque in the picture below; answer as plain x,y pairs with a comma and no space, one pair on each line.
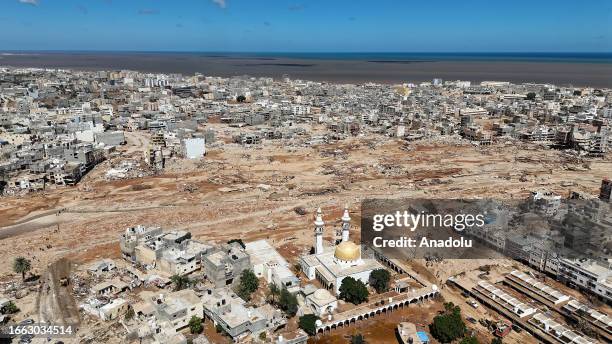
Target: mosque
331,264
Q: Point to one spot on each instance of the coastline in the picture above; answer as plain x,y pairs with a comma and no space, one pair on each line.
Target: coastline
384,69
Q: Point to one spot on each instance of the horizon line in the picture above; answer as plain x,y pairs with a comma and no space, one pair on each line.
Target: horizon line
304,52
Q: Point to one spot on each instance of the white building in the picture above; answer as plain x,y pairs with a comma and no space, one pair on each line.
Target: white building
230,312
331,264
268,263
588,275
321,302
113,309
195,148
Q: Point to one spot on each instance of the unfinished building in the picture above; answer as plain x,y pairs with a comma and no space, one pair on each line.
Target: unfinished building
171,253
223,265
162,316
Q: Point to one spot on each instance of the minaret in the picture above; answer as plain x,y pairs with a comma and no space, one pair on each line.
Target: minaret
346,224
319,232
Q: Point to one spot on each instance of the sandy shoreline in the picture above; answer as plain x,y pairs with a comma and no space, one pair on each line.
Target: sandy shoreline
339,71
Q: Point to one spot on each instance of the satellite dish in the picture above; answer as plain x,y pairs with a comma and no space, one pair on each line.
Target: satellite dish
318,322
434,287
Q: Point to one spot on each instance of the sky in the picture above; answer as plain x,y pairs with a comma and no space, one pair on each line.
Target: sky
307,26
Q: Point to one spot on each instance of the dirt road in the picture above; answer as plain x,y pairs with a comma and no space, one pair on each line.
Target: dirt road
55,302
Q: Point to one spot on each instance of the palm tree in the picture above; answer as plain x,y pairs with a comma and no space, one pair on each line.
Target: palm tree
180,282
21,265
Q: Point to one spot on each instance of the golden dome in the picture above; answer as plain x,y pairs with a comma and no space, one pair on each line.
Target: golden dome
347,251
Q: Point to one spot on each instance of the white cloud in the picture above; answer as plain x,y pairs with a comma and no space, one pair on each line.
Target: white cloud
29,2
220,3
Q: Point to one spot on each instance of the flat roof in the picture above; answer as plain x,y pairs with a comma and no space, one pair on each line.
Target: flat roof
594,316
538,287
555,329
592,266
509,302
262,252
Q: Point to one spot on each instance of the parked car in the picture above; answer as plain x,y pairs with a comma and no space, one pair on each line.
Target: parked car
473,303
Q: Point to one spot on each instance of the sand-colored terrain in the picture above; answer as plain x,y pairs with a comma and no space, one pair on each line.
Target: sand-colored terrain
251,193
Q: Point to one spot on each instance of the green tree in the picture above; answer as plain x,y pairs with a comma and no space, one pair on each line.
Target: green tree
9,308
274,291
180,282
379,279
308,323
449,307
469,340
195,325
358,339
22,265
496,340
248,284
531,96
353,291
288,302
448,326
240,98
